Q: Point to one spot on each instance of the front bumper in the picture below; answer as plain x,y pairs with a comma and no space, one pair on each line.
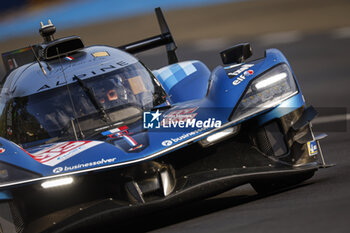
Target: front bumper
193,172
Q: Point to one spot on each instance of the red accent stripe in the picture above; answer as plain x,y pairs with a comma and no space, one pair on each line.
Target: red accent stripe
127,137
123,128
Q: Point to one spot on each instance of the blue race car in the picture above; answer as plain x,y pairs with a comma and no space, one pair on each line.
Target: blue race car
90,133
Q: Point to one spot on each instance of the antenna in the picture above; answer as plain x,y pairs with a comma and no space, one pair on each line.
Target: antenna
37,59
71,101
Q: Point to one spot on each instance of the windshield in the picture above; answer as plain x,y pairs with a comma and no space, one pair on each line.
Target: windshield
122,94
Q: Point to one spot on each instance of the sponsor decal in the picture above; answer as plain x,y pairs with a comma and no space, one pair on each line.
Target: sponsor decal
182,118
59,152
2,150
170,141
242,73
69,58
136,147
312,148
57,170
167,143
242,77
122,132
240,70
100,54
116,132
83,165
248,72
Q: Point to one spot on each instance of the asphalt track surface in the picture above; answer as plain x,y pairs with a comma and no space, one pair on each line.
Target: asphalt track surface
322,204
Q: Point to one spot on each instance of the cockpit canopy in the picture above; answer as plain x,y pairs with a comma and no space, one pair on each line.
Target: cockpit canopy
83,105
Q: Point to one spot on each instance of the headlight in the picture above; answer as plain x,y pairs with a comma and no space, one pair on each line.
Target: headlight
267,91
57,182
219,136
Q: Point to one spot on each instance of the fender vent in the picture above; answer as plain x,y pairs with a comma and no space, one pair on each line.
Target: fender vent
270,140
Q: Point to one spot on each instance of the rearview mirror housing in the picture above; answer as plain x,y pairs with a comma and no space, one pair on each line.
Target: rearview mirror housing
236,54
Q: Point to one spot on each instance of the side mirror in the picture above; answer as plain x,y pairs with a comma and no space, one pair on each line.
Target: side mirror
236,54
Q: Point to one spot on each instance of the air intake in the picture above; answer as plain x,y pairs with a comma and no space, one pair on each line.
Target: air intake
61,47
52,48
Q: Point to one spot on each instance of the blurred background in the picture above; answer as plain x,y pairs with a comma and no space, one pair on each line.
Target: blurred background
313,34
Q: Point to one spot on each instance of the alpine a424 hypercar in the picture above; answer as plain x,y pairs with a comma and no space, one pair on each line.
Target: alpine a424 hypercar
90,133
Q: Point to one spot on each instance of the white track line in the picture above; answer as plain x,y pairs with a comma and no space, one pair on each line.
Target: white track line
341,33
280,38
332,118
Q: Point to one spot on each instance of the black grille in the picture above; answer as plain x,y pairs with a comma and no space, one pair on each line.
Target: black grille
270,140
17,218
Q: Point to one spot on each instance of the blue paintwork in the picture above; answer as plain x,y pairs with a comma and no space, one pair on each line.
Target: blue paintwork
5,195
186,91
184,81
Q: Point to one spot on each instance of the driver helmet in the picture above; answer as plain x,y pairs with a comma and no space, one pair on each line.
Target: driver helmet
109,91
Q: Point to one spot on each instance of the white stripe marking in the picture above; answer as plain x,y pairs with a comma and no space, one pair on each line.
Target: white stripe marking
341,33
280,38
332,118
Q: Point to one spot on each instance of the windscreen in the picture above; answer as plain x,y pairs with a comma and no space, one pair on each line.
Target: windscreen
122,95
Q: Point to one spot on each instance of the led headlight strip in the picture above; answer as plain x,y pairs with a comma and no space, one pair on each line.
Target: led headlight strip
57,182
219,136
267,91
271,80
